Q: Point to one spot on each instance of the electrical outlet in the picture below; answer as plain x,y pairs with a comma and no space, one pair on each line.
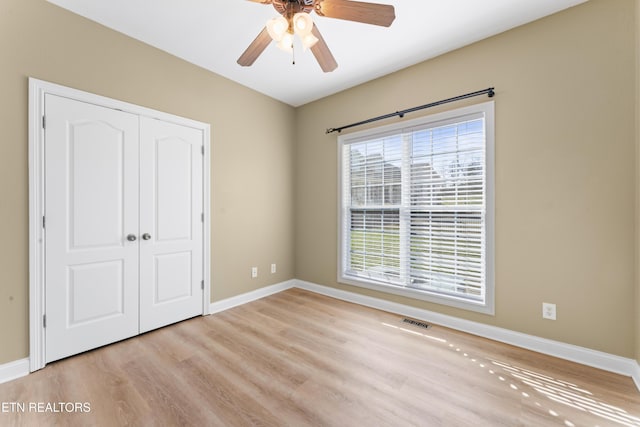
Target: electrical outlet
548,311
273,268
254,272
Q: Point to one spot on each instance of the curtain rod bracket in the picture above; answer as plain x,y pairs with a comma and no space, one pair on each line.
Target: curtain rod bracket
489,91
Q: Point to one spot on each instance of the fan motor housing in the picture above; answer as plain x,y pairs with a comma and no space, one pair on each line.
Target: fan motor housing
293,6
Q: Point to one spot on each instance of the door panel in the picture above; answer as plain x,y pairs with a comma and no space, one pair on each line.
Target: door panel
96,149
100,288
173,188
170,212
91,199
168,277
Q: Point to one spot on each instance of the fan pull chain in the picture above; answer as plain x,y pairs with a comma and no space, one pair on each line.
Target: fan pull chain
293,54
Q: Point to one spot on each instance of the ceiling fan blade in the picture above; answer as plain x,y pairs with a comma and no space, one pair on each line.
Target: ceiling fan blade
322,53
368,13
255,48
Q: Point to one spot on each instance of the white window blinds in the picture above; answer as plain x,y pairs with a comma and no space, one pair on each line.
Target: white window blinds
414,208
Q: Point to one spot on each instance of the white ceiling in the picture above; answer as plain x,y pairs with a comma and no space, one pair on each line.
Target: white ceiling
213,34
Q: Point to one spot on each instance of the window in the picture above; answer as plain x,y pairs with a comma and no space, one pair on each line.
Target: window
416,208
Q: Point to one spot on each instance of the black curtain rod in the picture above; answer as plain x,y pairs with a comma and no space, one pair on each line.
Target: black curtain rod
489,91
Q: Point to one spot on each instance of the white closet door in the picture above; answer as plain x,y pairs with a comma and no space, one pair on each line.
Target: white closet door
91,199
171,268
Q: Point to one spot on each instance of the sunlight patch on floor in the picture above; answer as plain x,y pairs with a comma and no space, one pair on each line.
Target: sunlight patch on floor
554,389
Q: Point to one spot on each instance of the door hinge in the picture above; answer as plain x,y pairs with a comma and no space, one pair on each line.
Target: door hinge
202,285
44,122
43,221
202,217
202,150
44,320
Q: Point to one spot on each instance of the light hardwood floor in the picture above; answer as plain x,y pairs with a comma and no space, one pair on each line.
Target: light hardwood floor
301,359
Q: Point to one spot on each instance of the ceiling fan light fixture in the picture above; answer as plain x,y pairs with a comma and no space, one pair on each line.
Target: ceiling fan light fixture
277,28
294,19
302,24
286,43
308,41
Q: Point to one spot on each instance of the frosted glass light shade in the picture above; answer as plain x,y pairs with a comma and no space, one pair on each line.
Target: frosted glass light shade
286,43
309,40
302,24
277,27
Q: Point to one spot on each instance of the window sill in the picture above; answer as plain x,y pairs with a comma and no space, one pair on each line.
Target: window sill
423,295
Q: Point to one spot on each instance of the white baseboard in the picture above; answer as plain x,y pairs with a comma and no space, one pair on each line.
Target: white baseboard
582,355
636,374
228,303
12,370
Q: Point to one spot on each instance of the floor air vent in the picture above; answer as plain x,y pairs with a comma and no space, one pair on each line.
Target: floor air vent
416,323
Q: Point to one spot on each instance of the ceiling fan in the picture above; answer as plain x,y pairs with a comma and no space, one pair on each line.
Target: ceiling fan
294,19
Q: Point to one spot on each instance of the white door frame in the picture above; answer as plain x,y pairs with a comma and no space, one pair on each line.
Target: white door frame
37,91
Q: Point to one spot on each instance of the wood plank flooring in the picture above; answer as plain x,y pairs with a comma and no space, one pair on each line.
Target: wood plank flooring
301,359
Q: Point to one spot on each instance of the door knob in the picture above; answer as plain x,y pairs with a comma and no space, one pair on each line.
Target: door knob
146,236
131,237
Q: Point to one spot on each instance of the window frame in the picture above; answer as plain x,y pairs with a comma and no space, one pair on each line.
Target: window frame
452,116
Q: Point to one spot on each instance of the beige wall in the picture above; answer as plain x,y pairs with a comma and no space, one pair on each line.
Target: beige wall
252,169
565,168
637,117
